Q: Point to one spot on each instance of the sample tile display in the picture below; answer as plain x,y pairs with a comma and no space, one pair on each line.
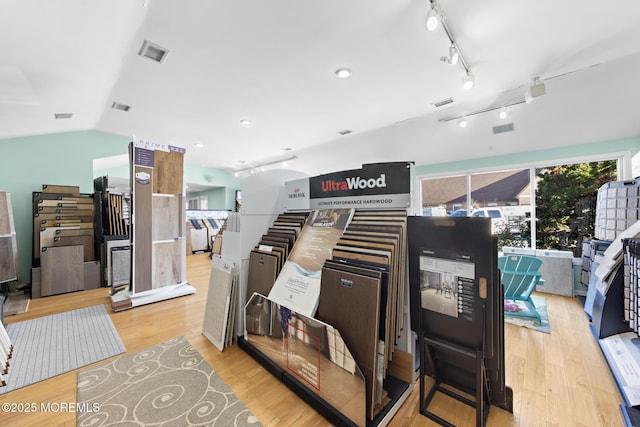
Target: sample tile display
218,306
158,230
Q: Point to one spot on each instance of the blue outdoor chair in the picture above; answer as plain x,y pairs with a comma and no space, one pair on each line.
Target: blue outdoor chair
520,275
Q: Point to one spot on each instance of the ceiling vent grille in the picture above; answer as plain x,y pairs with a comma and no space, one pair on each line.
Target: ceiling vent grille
443,102
121,107
345,132
503,128
63,115
153,51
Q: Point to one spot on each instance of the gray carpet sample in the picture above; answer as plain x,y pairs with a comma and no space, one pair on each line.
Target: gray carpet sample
51,345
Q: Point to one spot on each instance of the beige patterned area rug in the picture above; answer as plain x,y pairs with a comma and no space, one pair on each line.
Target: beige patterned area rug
169,384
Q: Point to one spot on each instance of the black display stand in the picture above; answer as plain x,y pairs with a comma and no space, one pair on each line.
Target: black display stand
608,310
461,348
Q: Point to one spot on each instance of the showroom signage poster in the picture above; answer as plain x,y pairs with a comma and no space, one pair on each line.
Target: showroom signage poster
374,186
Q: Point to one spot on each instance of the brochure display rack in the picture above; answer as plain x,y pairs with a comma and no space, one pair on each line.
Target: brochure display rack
457,308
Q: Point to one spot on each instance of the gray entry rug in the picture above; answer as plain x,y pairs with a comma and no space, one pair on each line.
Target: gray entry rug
169,384
51,345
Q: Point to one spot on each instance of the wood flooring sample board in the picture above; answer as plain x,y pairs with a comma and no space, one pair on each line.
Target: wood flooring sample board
62,269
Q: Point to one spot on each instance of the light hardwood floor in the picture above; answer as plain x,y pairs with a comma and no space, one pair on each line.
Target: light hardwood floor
558,379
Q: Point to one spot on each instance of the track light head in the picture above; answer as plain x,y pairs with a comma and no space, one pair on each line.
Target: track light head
453,57
503,113
467,81
433,18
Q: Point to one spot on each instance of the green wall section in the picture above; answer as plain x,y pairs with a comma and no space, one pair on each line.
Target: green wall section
631,145
59,159
67,159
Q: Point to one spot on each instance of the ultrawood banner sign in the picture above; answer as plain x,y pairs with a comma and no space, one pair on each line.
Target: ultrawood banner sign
380,186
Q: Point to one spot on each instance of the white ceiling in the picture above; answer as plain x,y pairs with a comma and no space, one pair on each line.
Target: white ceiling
273,61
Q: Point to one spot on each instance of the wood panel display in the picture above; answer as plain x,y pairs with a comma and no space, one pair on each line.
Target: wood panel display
62,218
158,211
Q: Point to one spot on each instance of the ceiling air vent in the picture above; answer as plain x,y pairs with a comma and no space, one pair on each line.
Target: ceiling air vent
443,102
153,51
121,107
345,132
63,115
503,128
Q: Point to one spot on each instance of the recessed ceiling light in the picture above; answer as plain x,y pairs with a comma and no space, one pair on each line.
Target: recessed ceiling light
245,122
153,51
63,115
463,123
503,113
121,107
343,73
198,145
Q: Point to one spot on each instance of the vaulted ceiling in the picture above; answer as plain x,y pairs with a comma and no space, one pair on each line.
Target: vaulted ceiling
273,62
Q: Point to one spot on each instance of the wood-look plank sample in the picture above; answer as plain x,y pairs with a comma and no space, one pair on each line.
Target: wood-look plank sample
168,172
62,269
350,303
91,275
6,214
166,217
35,282
217,307
167,264
62,189
47,235
7,259
85,241
142,229
263,268
120,268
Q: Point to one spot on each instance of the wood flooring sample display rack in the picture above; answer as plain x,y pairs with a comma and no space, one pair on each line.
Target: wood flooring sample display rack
158,212
64,241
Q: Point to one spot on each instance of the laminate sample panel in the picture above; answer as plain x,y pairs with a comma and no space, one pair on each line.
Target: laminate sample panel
6,214
63,189
168,172
167,217
351,303
85,241
92,275
216,310
262,275
167,264
142,229
7,259
62,269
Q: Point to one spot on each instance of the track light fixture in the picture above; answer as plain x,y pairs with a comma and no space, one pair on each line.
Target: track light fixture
433,17
453,56
261,167
503,113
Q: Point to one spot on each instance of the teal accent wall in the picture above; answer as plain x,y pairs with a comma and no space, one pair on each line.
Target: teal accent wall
217,198
632,145
67,159
59,159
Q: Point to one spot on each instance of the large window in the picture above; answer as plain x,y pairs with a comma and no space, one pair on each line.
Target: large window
545,207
